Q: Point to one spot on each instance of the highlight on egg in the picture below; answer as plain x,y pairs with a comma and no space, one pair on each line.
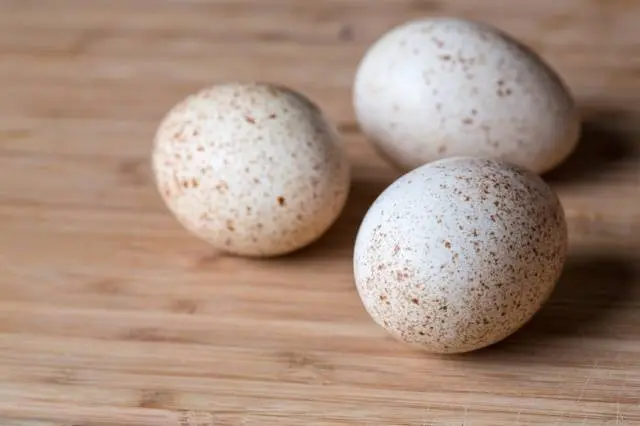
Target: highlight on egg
254,169
444,87
460,253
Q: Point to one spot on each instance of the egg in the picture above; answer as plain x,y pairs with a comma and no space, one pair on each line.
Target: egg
254,169
460,253
445,87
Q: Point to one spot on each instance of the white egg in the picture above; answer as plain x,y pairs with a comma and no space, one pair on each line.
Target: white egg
442,87
254,169
460,253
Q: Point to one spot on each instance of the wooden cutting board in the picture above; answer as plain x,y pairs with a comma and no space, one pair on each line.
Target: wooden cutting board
111,314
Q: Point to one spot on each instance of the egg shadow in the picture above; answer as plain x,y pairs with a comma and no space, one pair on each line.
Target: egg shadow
584,304
603,145
339,240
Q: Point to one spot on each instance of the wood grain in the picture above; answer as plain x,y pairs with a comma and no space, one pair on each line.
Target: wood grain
110,314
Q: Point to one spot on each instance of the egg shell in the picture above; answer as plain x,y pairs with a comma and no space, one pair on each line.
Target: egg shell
445,87
460,253
254,169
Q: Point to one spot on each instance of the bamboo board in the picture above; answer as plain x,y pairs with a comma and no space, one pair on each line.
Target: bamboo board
110,314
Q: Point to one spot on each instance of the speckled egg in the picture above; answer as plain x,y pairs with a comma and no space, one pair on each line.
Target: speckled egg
460,253
254,169
443,87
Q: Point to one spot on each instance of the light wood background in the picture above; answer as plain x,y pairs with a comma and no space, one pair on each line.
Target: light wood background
110,314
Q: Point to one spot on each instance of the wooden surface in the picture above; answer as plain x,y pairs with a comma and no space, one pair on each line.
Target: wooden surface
110,314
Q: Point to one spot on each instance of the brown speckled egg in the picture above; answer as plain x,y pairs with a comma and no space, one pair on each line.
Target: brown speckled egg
443,87
253,169
460,253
